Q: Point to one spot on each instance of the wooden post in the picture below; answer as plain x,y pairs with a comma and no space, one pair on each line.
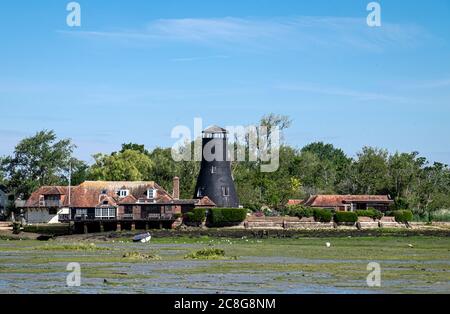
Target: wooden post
102,227
133,226
85,228
119,227
146,226
160,225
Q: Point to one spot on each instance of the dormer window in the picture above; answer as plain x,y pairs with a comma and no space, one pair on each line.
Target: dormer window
151,194
104,191
123,193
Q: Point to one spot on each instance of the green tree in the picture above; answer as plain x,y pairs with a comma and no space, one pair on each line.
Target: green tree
129,165
371,168
132,146
38,160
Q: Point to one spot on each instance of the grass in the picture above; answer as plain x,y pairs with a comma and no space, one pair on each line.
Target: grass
72,247
202,263
141,256
207,254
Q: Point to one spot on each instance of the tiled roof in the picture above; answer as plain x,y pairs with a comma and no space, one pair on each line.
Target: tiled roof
90,193
339,200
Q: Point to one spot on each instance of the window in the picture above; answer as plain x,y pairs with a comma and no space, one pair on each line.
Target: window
123,193
200,192
213,169
104,191
225,191
105,213
151,193
81,212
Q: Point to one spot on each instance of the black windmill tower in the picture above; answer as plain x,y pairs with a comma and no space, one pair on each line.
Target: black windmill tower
215,180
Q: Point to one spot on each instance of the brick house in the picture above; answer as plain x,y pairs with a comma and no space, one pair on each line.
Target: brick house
346,202
116,202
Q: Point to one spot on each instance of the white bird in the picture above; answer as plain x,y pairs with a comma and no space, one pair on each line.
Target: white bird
328,244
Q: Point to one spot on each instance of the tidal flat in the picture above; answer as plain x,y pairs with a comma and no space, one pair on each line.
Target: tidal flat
417,264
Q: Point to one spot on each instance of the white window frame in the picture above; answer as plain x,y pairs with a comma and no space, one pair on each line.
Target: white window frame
124,193
80,212
105,212
151,195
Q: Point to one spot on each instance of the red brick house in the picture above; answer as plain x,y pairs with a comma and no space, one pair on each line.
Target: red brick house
346,202
109,201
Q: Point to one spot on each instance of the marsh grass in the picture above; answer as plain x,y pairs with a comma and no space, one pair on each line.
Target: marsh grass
208,254
72,247
141,256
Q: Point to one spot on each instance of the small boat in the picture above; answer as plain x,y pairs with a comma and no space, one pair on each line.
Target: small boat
143,237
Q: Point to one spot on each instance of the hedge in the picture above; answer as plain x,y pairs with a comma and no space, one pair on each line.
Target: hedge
372,213
403,215
219,217
197,215
345,217
299,211
322,215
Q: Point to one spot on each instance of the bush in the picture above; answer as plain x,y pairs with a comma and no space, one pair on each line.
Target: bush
299,211
197,215
340,217
322,215
372,213
220,217
403,215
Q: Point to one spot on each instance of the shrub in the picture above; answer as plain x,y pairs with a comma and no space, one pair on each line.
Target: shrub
299,211
197,215
403,215
208,254
340,217
220,217
322,215
372,213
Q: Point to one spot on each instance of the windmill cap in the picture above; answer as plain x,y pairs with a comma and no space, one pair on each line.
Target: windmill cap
215,129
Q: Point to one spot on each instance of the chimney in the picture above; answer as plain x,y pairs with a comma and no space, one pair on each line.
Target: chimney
176,188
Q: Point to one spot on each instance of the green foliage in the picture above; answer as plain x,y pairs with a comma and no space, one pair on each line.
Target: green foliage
372,213
322,215
197,215
403,215
299,211
440,215
219,217
38,160
342,217
129,165
208,254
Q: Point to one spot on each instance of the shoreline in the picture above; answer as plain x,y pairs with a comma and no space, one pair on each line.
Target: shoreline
234,233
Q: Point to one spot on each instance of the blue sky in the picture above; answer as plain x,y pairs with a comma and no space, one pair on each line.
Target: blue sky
136,69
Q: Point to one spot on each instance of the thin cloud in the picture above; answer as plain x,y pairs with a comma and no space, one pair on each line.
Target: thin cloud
338,91
188,59
273,33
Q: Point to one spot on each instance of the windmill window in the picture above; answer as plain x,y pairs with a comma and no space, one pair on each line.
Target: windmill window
225,191
213,169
